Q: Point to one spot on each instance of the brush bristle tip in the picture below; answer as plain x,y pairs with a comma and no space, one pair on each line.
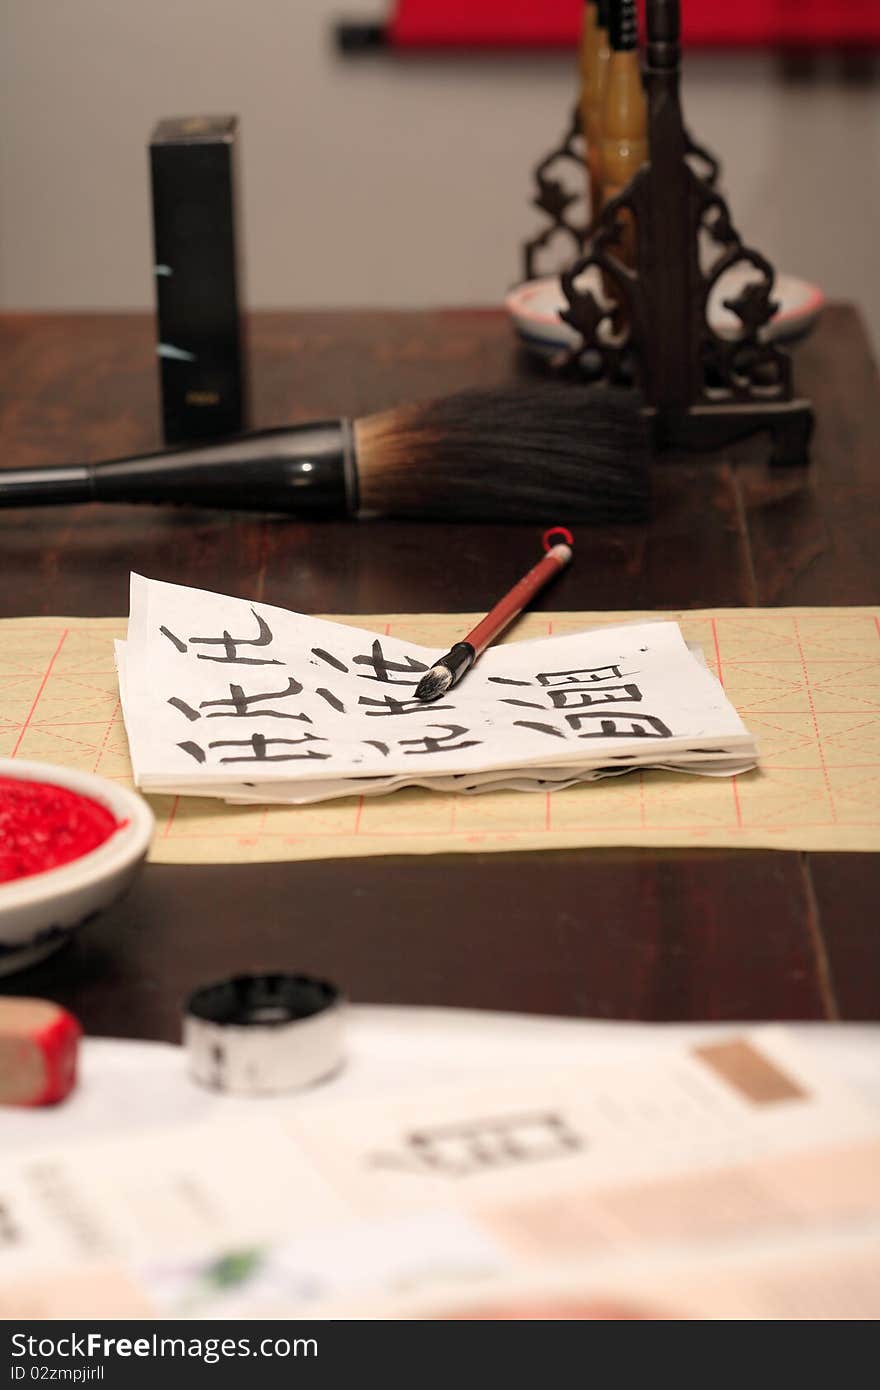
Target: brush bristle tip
433,684
529,454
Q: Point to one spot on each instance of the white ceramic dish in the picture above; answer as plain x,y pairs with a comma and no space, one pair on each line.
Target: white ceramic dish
535,305
38,913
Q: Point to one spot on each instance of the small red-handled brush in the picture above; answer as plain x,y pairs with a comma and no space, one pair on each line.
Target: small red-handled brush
449,670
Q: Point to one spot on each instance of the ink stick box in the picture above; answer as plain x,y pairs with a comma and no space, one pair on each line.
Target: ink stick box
200,340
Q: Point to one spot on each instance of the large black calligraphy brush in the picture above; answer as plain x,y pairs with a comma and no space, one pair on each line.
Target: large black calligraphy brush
524,453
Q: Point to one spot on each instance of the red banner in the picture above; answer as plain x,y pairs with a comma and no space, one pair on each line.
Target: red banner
556,23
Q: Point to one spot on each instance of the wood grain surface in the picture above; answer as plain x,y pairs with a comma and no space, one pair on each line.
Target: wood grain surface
637,934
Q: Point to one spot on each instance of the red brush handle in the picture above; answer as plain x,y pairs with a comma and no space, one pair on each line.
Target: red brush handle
507,608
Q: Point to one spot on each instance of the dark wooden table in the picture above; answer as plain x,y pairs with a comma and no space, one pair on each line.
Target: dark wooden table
637,934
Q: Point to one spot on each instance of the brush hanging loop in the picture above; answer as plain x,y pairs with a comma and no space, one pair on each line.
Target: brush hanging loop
648,323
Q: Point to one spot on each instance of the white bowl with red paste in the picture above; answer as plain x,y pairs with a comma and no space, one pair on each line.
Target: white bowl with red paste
70,843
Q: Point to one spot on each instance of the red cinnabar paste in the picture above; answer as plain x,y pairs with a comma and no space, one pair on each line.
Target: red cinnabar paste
42,826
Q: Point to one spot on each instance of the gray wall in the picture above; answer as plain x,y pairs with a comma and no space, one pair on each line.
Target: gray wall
372,182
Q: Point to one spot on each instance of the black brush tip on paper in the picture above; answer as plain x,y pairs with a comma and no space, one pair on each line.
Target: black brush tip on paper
434,683
446,672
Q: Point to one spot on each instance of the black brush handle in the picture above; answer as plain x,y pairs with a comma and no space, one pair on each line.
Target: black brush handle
32,487
308,470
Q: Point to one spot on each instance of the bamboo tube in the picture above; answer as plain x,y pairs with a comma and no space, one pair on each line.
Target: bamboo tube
594,55
624,143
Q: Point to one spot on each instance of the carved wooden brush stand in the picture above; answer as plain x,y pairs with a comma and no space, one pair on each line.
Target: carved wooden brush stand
702,390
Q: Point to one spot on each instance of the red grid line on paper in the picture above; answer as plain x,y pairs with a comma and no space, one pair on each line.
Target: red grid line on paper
171,817
104,741
47,673
719,671
809,693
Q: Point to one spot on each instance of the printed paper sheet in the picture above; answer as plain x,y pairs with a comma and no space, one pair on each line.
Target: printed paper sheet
709,1180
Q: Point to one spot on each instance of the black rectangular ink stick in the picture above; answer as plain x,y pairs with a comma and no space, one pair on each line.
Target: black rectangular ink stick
200,341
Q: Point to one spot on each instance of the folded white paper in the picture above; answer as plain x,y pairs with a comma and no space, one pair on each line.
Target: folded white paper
227,698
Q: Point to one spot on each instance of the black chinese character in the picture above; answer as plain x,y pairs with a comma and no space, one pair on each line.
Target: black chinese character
331,660
230,645
181,646
606,695
238,704
620,726
538,728
389,705
578,692
258,744
440,745
587,675
381,665
331,699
